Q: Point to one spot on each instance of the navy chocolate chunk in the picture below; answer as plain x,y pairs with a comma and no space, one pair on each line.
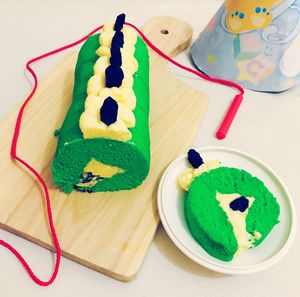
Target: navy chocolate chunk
86,177
239,204
115,56
119,22
114,76
118,39
194,158
109,111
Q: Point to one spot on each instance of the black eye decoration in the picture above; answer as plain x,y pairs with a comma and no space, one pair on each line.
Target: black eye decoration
118,39
115,57
114,76
113,73
194,158
86,177
119,22
239,204
109,111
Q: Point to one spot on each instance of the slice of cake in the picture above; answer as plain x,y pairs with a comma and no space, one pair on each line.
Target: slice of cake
104,144
227,209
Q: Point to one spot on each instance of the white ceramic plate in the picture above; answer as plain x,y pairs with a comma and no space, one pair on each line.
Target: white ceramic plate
270,251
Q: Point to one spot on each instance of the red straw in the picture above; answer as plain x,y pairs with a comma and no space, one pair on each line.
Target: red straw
13,151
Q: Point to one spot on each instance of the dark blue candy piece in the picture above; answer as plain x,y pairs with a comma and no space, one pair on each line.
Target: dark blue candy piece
118,39
115,56
109,111
240,204
114,76
86,177
194,158
119,22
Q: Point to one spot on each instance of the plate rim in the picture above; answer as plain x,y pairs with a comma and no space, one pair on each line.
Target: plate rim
222,268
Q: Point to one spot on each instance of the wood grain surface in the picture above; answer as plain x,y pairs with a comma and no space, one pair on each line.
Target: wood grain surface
108,232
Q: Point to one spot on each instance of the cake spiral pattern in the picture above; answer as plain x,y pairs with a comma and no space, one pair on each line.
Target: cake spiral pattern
227,209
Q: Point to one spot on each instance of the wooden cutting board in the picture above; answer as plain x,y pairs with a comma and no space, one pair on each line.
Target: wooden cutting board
108,232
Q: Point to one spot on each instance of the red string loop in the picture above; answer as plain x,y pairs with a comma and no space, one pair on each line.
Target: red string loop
15,138
197,73
14,156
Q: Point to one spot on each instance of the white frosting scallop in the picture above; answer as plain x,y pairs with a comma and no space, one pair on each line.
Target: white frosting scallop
129,34
187,176
92,127
101,64
122,95
96,83
128,60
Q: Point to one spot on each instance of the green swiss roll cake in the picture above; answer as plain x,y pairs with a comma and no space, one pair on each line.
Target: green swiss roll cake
104,144
227,209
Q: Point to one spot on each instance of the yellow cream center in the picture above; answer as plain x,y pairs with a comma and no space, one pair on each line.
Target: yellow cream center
99,169
238,221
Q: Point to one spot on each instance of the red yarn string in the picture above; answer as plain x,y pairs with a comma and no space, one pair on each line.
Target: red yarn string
198,73
14,155
14,144
235,104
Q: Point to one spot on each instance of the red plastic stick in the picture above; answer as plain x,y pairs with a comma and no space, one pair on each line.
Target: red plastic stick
226,123
228,119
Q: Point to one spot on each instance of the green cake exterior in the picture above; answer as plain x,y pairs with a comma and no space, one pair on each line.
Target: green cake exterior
209,224
74,152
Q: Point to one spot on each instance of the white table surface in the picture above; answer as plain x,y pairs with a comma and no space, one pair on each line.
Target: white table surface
266,126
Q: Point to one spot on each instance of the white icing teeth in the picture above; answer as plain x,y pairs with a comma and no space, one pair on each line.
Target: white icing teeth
128,60
121,95
108,27
96,83
187,176
103,51
107,35
126,115
105,38
127,80
101,64
127,51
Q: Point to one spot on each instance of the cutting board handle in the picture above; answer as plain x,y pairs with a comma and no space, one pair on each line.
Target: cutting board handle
169,34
